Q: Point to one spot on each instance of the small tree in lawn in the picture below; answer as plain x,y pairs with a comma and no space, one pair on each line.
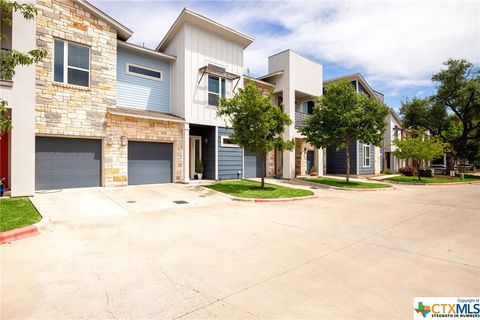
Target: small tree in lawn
258,124
420,148
342,116
10,59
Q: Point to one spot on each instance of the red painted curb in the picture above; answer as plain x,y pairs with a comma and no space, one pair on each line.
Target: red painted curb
451,184
19,233
286,200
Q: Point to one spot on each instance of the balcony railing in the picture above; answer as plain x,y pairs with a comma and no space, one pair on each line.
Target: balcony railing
300,119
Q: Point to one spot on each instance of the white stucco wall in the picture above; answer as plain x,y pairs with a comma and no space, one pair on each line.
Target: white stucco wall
21,100
301,76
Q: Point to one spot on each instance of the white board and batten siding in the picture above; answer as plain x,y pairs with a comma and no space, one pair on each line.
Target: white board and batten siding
200,48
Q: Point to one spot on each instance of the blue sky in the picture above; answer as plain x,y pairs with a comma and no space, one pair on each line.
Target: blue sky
395,45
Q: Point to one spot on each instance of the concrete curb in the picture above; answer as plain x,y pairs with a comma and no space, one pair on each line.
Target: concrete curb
435,184
261,200
314,184
23,232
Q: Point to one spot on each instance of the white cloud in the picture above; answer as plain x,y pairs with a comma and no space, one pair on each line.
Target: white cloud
395,44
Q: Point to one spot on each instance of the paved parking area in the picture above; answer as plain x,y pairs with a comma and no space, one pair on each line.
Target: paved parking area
345,255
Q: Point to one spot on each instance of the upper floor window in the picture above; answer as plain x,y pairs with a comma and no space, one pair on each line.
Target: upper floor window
366,155
144,72
71,63
216,90
310,106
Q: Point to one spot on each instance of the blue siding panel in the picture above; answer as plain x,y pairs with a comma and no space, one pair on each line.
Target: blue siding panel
229,158
365,170
139,92
336,160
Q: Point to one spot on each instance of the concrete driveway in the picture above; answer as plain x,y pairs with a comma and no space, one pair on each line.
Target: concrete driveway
345,255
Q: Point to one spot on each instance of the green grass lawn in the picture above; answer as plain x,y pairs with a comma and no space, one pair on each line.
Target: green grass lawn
351,185
17,213
414,179
252,189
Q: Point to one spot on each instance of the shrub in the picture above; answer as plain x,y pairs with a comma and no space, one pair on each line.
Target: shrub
407,171
387,171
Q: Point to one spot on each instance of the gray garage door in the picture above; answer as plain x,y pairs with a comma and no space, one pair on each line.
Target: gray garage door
149,162
67,163
252,165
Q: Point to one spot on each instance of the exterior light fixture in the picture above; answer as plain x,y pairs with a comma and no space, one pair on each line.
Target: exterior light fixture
123,140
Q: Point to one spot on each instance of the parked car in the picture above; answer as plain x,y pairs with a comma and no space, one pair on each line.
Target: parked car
438,168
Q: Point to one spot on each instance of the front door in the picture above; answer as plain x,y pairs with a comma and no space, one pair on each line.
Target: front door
310,161
195,153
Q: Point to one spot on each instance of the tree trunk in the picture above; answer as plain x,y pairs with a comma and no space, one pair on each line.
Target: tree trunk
264,157
418,169
450,165
347,153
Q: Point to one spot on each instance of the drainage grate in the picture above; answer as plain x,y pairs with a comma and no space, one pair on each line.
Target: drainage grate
314,188
131,201
180,202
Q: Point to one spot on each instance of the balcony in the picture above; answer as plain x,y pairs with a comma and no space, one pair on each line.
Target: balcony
300,119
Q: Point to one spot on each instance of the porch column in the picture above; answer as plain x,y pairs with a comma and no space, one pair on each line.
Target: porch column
319,162
216,152
289,156
186,152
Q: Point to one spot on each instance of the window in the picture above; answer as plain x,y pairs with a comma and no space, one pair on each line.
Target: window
228,142
144,72
366,155
216,90
71,63
310,105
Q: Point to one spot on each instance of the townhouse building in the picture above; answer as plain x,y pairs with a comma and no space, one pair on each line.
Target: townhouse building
100,111
365,159
393,132
297,81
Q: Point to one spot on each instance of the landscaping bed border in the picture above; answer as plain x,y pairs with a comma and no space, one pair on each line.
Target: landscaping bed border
260,200
23,232
391,188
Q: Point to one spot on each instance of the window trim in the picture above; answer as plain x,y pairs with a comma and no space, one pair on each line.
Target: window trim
66,66
227,145
220,87
127,71
365,156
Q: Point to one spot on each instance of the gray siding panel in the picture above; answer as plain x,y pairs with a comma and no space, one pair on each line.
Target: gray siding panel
365,170
229,158
149,162
336,160
252,165
67,163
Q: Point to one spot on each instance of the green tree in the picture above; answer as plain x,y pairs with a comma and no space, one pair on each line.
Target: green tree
10,59
453,112
258,124
341,116
420,148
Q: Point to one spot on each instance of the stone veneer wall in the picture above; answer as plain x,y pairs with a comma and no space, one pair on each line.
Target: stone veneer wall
63,109
301,157
116,162
72,111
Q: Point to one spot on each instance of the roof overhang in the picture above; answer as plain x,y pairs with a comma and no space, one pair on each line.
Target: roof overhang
359,78
144,114
123,33
188,16
396,116
259,81
271,75
147,51
218,71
